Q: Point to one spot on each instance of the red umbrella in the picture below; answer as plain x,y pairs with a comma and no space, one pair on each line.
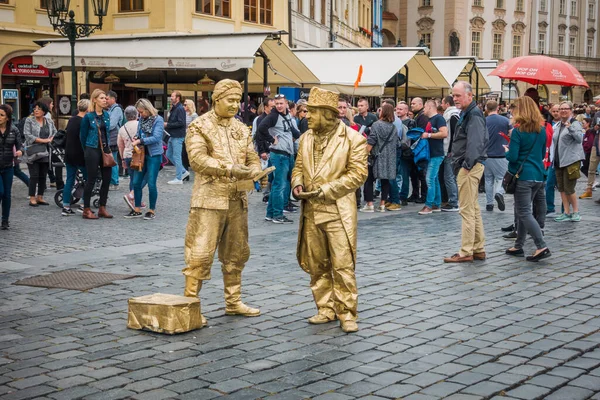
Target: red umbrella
540,70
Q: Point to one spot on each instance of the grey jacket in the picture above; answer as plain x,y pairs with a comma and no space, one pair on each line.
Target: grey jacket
570,148
470,139
31,131
280,126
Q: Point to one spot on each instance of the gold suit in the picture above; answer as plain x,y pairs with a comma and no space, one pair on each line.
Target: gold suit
337,165
219,207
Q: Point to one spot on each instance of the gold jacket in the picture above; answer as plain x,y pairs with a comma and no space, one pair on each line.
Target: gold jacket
214,145
342,170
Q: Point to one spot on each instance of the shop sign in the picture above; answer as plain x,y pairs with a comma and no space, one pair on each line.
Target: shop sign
23,66
64,104
10,94
27,82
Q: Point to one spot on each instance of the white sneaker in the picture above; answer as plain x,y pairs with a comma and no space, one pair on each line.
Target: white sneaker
368,208
381,209
175,182
185,175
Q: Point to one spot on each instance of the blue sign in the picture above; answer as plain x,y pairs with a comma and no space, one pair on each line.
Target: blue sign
10,94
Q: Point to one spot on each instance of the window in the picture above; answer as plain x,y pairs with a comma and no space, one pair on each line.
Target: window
475,44
590,47
517,39
562,7
300,6
312,9
591,11
541,43
572,43
561,45
519,5
323,12
43,3
477,3
259,11
426,37
220,8
497,50
266,12
426,3
573,8
131,5
250,11
543,5
499,3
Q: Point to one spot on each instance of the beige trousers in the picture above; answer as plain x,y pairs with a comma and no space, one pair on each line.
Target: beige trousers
594,159
473,237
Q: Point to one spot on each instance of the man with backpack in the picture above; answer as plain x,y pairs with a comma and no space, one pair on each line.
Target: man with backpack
116,122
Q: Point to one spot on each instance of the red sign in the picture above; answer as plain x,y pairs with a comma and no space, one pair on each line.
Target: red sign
23,66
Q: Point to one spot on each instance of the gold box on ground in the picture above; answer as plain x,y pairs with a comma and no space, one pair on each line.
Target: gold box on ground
164,313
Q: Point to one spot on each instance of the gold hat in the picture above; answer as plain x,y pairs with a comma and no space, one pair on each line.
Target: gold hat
225,87
322,98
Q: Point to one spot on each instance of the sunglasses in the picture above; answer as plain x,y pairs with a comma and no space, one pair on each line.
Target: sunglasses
279,96
303,111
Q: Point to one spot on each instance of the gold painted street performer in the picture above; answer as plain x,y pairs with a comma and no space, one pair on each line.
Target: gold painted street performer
222,154
330,166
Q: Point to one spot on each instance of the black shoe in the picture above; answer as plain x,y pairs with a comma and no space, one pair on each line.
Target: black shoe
510,235
420,200
489,207
412,199
5,225
500,199
516,253
510,228
540,256
282,220
405,202
265,198
290,209
134,214
149,216
67,212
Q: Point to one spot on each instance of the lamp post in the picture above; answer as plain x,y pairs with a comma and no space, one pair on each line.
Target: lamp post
58,11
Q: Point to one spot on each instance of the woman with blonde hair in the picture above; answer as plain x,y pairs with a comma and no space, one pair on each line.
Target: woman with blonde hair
525,155
93,134
190,115
149,134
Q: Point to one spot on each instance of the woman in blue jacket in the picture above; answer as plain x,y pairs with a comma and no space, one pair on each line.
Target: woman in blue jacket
150,133
94,125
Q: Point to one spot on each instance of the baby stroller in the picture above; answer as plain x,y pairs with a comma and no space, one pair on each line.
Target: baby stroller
58,160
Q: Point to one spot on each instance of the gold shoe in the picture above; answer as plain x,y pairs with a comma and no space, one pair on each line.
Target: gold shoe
349,326
320,319
192,288
242,309
232,283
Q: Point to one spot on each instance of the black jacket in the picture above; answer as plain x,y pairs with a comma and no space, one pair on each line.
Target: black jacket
176,122
73,148
262,146
9,140
470,140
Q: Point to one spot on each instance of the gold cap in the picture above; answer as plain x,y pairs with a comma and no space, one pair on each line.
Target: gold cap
323,99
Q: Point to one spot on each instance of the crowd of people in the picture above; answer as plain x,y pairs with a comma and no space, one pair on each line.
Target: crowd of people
413,147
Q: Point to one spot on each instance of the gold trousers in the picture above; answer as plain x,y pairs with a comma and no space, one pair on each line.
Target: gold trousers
327,254
208,230
473,237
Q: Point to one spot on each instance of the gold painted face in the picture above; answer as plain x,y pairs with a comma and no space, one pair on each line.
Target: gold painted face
228,106
314,118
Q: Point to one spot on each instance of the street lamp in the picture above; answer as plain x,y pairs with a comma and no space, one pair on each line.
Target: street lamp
58,11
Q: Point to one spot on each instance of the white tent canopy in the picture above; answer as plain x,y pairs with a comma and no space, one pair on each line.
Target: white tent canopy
458,68
337,69
487,66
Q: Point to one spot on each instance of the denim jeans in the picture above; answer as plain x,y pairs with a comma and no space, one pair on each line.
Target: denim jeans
280,187
114,174
18,172
174,155
550,189
405,174
6,181
450,181
526,193
130,171
396,184
495,169
434,191
150,174
68,189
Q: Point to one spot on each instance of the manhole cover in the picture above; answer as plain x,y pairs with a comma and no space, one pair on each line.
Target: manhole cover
75,280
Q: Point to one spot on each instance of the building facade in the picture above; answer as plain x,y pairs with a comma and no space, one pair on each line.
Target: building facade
568,30
311,23
377,23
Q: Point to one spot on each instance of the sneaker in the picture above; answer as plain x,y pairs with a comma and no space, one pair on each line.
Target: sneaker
134,214
368,208
489,207
500,200
450,208
436,209
142,205
376,193
129,202
5,225
175,182
149,216
575,217
510,235
185,175
67,212
381,208
550,213
404,203
509,228
267,218
282,220
80,208
387,204
290,209
113,187
420,200
394,207
563,218
425,210
52,184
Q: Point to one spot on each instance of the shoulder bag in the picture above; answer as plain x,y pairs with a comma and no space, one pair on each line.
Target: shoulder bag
137,158
509,182
372,158
108,161
37,151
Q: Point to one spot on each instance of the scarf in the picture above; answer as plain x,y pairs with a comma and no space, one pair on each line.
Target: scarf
147,124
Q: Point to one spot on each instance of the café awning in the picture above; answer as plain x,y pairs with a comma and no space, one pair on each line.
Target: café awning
337,69
461,69
487,66
184,53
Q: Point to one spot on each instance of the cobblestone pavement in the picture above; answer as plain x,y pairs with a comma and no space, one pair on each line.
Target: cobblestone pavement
498,329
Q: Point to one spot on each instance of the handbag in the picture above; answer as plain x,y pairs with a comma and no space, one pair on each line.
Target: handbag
509,182
372,158
138,156
37,151
108,161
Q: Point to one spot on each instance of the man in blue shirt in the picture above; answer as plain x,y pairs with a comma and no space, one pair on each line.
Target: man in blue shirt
498,130
176,127
116,121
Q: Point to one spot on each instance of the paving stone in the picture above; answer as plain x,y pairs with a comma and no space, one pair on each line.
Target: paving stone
571,393
424,379
333,396
348,377
76,392
230,385
157,394
587,382
320,387
485,389
388,378
529,392
111,383
147,385
396,391
442,389
200,394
